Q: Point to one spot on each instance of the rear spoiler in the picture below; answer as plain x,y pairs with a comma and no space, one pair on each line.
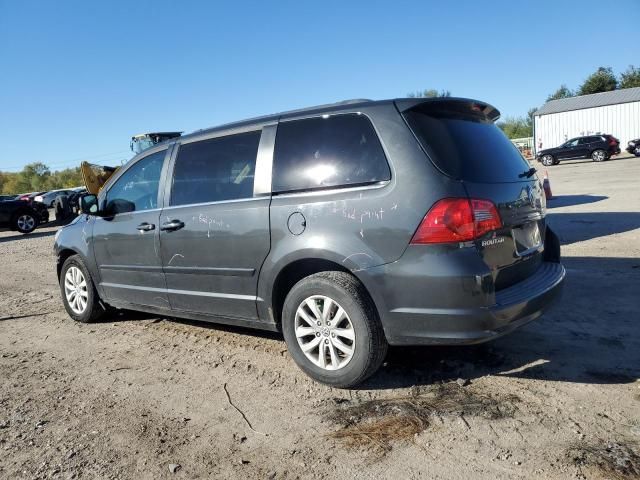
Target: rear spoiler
449,104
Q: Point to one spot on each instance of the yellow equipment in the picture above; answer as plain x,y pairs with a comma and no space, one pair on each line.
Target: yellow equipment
95,176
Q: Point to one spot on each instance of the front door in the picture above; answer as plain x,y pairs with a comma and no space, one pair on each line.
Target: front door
214,232
582,150
126,242
569,149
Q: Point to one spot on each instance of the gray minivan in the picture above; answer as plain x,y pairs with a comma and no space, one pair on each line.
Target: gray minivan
347,227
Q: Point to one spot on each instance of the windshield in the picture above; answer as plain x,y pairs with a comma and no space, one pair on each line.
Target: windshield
466,146
141,144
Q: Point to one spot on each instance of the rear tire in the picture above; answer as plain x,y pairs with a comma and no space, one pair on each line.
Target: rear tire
548,160
79,295
25,222
598,155
347,336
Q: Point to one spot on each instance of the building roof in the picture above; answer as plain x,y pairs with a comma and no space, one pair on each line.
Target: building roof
614,97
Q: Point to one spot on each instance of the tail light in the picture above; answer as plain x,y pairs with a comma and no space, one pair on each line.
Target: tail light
457,220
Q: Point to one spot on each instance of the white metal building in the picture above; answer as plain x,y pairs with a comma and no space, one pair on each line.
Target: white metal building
616,113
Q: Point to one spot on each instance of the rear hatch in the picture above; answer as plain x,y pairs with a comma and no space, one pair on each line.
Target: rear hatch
463,142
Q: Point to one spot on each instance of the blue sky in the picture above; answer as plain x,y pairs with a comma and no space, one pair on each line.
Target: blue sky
78,78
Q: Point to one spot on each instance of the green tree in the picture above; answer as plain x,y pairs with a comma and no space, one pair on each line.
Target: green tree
517,127
429,93
67,178
35,176
562,92
602,80
630,78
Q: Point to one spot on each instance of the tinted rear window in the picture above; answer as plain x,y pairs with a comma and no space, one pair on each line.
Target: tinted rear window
467,147
327,152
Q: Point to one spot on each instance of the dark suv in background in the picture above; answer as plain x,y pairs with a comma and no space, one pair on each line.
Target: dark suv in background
347,227
596,147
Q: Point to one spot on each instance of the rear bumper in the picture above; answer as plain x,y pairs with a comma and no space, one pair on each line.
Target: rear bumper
514,307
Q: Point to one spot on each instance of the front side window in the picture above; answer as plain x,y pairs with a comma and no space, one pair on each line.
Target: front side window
571,143
215,170
327,151
137,188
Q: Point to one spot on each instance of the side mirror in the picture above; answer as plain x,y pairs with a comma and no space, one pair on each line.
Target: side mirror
89,204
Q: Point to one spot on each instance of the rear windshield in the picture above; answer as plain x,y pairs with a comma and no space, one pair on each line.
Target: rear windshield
467,147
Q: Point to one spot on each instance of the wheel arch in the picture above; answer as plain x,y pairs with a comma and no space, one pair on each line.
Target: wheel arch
296,270
63,255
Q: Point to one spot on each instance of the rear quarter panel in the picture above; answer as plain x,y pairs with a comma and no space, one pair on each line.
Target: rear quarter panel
358,228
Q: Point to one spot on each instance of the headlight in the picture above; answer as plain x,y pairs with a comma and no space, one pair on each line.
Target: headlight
632,144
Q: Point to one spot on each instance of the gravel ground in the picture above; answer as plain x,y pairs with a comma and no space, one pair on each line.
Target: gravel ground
138,396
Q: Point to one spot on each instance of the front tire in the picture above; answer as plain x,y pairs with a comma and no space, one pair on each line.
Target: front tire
25,222
79,294
599,155
636,151
547,160
332,329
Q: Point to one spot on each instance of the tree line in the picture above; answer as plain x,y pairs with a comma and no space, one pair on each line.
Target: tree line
602,80
38,177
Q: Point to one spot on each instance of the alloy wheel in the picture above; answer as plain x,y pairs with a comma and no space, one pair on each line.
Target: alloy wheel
75,289
598,155
324,332
26,222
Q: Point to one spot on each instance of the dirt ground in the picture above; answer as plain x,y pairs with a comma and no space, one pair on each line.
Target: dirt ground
136,396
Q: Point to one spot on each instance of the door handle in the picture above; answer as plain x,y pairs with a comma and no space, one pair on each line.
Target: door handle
172,225
146,227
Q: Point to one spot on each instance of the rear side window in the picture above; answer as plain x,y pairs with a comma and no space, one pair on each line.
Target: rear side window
326,152
216,169
467,147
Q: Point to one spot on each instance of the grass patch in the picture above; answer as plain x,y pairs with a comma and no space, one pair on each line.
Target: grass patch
377,424
616,460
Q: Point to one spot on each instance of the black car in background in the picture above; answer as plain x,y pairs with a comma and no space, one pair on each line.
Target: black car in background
633,147
596,147
19,215
38,207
